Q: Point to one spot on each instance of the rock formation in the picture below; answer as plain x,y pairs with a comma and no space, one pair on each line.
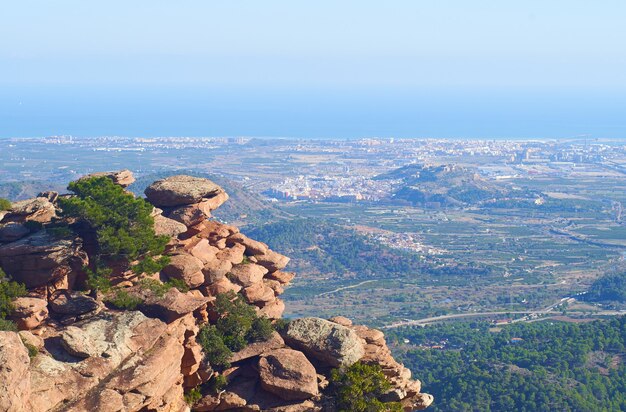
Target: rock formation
91,357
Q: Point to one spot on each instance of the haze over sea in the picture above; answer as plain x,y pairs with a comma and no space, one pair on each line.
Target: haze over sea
480,69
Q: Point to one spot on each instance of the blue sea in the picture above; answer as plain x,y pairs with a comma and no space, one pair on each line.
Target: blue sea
309,113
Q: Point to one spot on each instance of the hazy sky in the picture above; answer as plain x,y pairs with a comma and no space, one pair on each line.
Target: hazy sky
317,68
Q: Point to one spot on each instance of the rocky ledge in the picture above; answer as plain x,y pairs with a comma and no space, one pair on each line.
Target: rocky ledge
74,353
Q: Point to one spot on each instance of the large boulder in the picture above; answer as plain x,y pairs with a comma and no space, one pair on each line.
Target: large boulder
14,373
78,343
328,342
247,274
64,302
188,215
173,305
288,374
40,259
39,209
180,190
28,313
186,268
168,227
12,231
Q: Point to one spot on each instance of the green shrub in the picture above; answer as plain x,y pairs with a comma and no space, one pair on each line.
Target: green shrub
193,396
359,387
32,350
246,260
98,279
215,351
280,325
121,299
238,322
7,326
160,288
149,265
9,290
123,224
4,204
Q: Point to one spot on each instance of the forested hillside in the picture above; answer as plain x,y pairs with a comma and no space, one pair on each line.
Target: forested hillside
546,366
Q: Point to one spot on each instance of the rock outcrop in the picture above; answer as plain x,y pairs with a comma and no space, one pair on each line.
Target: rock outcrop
93,357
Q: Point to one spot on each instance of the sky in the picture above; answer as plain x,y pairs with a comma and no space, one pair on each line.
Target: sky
404,68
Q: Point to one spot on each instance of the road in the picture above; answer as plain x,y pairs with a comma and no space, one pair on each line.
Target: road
346,287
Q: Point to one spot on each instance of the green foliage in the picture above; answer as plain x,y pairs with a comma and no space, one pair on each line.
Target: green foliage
121,299
149,265
32,350
193,396
246,260
7,326
216,352
4,204
160,288
238,322
123,223
608,288
555,367
9,290
280,325
98,279
237,326
359,387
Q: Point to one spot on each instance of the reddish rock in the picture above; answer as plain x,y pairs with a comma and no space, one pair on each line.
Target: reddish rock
173,305
188,215
180,190
272,261
233,254
221,286
274,285
247,274
12,231
29,313
203,251
208,205
15,384
253,247
273,310
216,270
39,209
259,348
282,277
186,268
64,302
258,293
288,374
341,320
168,227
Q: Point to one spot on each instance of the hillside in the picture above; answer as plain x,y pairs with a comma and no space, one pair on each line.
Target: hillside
442,185
112,302
546,366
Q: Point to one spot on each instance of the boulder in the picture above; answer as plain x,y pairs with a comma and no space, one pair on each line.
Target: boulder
274,309
220,286
28,313
164,226
14,374
253,247
341,320
210,204
188,215
180,190
31,339
216,270
123,178
328,342
203,251
272,261
40,259
12,231
186,268
282,277
39,209
78,343
233,254
288,374
258,293
247,274
173,305
64,302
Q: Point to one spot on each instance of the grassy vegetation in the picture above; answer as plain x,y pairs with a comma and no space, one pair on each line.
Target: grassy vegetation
4,204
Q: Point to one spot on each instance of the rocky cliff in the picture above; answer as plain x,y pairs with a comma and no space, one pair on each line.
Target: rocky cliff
76,352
